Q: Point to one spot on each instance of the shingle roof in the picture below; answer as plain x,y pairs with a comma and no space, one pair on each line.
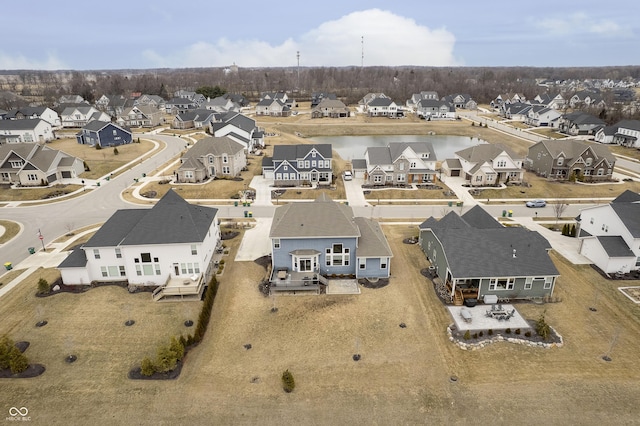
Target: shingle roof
320,218
372,242
572,148
214,145
479,218
615,246
484,152
172,220
20,124
293,152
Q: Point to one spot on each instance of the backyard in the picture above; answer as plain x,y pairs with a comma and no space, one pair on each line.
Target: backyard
403,375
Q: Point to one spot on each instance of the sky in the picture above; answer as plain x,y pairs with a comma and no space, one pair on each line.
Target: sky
117,34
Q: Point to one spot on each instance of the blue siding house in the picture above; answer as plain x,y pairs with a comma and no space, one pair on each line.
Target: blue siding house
104,134
294,165
312,241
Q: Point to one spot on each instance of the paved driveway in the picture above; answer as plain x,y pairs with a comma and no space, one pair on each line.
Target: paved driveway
256,242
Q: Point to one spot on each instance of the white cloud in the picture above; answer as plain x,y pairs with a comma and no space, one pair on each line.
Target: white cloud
19,62
581,23
389,39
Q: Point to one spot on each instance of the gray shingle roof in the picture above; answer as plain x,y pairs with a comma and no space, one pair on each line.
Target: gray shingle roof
172,220
320,218
294,152
19,124
484,152
629,214
615,246
372,242
479,218
214,145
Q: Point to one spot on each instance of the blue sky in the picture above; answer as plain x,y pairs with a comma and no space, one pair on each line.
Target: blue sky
196,33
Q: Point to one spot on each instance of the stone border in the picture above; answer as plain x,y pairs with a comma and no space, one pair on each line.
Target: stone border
500,338
629,296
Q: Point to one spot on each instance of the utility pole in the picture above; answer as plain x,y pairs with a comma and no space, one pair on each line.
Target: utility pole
298,57
362,49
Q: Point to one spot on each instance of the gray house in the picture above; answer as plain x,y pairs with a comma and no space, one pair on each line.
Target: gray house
564,158
212,157
475,256
315,240
294,165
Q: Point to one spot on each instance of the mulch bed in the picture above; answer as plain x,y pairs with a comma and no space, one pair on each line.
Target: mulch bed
264,261
553,336
64,288
381,282
229,235
33,370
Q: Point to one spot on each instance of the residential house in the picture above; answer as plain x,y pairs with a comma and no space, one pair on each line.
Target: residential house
185,94
542,116
71,99
18,131
625,133
221,104
412,103
295,165
586,99
197,118
506,99
364,102
317,97
170,246
78,116
579,123
313,241
43,113
570,158
237,99
382,107
104,134
31,164
429,109
333,108
155,101
461,100
141,116
487,164
610,234
279,96
176,106
113,105
516,111
550,101
212,157
240,128
400,163
475,256
273,108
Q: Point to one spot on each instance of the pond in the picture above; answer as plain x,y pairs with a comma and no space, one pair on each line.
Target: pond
353,147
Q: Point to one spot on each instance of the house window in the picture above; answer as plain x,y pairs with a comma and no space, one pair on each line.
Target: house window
188,175
560,161
383,263
307,164
492,283
313,163
377,178
114,132
210,159
32,177
300,164
401,178
104,272
16,164
118,253
145,257
401,166
600,171
278,176
225,170
589,161
548,281
194,249
337,255
276,243
413,165
285,168
96,254
225,159
123,273
362,263
637,262
528,283
479,178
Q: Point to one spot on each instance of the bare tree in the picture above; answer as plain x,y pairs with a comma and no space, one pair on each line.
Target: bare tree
558,209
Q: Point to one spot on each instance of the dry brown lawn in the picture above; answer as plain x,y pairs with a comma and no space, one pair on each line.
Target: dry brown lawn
409,194
549,132
402,377
11,229
103,161
36,193
544,188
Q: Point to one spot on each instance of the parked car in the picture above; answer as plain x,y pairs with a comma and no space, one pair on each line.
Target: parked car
536,203
347,175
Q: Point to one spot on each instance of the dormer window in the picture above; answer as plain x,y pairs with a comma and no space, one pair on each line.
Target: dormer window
560,161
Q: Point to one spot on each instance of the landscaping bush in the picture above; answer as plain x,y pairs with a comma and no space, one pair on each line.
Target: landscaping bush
288,384
507,331
490,332
205,312
527,334
542,328
467,335
147,368
11,357
475,335
115,151
518,331
481,334
43,286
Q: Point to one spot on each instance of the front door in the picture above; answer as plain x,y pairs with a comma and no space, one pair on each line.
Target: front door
176,269
305,265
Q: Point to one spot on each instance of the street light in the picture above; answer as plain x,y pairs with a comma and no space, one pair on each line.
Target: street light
83,185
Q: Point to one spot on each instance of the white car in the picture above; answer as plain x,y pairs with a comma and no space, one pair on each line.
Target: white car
347,175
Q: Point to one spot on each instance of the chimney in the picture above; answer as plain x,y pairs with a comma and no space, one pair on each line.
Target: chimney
514,253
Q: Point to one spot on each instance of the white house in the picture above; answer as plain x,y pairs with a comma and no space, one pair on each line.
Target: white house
19,131
170,246
610,234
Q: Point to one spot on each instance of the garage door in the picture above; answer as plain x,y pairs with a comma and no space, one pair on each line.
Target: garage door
66,175
455,172
52,178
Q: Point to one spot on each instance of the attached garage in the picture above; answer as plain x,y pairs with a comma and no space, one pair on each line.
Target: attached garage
66,175
52,178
